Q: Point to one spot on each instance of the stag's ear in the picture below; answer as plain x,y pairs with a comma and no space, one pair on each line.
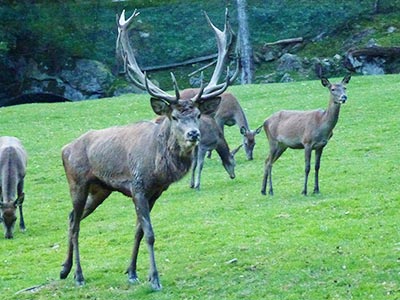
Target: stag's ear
209,106
160,107
346,79
325,82
243,130
258,130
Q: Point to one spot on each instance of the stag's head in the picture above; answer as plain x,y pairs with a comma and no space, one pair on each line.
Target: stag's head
183,114
8,215
184,117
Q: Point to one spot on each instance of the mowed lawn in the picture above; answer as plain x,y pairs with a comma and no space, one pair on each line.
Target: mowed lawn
226,241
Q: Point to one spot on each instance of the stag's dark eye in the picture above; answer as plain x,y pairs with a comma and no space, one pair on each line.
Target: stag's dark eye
174,118
198,117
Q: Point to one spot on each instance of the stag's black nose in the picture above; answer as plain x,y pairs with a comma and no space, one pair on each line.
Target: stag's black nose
193,135
343,98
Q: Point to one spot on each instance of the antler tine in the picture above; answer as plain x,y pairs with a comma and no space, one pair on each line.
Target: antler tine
217,89
134,72
177,94
201,90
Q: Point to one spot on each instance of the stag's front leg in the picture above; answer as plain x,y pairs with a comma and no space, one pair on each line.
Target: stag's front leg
132,275
318,154
143,208
307,159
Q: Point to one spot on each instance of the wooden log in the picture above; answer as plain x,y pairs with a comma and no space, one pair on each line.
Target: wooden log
285,42
183,63
390,52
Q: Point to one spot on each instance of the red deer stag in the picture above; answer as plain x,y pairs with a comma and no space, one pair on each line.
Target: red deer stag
308,130
229,113
13,160
139,160
211,138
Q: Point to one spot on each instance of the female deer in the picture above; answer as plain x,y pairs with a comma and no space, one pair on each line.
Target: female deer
308,130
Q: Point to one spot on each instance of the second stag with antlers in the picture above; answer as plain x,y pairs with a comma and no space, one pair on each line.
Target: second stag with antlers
139,160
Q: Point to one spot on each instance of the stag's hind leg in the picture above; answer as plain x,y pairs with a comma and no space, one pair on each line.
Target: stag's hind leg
97,195
79,194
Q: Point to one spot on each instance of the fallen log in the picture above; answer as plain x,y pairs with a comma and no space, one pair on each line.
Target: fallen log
285,42
182,63
388,52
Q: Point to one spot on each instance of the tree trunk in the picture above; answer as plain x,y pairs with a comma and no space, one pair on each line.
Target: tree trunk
246,51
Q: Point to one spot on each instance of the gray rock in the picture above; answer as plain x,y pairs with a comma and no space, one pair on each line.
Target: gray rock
289,62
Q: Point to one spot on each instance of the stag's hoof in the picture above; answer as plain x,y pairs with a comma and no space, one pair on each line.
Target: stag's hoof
79,280
155,281
133,280
155,284
63,274
79,283
65,271
132,277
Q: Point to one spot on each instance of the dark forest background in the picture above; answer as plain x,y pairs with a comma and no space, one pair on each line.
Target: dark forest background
55,34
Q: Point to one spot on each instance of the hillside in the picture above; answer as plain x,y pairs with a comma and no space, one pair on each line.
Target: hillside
33,56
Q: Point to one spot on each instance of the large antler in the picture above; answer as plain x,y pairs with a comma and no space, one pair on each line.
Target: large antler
132,68
225,40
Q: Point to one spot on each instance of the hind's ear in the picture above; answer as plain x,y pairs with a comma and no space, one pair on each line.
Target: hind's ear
346,79
325,82
19,200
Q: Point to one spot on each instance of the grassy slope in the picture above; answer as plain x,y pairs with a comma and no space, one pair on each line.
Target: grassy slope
342,244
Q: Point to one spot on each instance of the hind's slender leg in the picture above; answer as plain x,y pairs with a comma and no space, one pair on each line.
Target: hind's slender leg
318,154
307,158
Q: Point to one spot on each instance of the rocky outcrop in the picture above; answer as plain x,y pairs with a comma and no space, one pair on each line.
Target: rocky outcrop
86,79
81,79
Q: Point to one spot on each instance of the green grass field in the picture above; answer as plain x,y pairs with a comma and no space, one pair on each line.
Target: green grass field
226,241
